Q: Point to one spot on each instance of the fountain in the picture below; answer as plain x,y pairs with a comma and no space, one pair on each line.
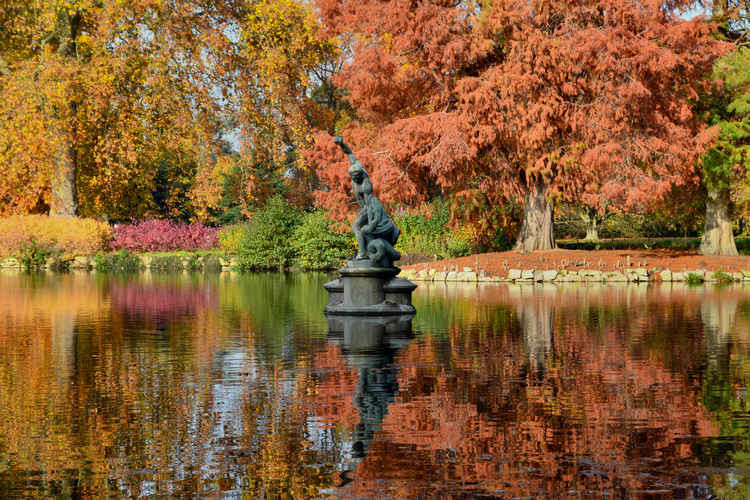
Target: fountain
368,285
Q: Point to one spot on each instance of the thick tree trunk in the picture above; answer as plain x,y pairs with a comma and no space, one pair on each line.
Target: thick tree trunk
64,202
592,231
536,230
718,238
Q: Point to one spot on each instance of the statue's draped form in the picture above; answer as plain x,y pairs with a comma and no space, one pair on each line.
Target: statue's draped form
374,230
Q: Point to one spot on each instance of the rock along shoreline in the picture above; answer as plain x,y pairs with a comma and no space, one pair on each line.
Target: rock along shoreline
191,262
466,275
631,275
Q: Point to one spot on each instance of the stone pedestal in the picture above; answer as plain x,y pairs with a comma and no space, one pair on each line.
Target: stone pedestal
364,290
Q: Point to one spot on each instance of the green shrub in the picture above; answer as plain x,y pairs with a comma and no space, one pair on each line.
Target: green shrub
459,243
52,235
320,247
430,234
693,278
723,277
170,263
266,241
122,261
32,256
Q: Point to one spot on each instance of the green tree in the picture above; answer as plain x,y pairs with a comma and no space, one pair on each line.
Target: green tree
727,163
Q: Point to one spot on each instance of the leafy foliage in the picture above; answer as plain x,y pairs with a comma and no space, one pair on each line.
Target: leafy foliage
122,261
230,238
432,233
318,245
266,241
163,235
585,101
729,158
123,105
52,235
33,256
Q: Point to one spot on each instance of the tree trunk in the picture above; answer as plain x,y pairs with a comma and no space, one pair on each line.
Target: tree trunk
592,232
536,230
718,238
64,202
591,219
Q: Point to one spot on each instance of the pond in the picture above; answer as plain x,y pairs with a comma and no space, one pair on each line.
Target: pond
232,386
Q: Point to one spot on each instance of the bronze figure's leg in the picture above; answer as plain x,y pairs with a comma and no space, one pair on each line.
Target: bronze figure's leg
360,221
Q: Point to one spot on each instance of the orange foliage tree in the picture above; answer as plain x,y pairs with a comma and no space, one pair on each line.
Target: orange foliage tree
537,100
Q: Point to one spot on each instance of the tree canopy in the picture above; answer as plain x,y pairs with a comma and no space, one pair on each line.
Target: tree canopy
548,100
97,98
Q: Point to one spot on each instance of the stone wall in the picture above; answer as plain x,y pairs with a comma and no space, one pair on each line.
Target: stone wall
630,275
172,263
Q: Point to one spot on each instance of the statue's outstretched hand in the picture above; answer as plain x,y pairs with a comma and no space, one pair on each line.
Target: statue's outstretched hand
346,149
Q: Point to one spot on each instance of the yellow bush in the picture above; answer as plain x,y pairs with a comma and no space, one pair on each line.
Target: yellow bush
55,234
230,238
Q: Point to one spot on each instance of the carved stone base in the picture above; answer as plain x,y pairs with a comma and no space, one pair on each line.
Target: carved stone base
363,290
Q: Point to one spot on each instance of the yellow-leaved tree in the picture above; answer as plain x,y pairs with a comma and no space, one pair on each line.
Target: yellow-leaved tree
98,97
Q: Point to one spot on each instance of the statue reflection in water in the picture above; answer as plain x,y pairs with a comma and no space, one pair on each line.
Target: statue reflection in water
370,344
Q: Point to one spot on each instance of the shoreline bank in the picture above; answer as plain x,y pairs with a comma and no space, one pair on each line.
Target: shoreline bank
566,266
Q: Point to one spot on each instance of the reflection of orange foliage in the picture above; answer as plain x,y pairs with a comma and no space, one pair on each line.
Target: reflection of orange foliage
607,412
77,395
333,397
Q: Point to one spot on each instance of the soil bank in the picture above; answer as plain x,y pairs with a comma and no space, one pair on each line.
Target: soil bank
499,263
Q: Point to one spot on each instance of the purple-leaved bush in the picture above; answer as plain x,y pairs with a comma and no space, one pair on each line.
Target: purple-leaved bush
156,235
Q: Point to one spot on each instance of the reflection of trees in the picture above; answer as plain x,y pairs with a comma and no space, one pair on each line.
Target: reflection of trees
535,309
141,399
725,386
610,412
718,312
243,395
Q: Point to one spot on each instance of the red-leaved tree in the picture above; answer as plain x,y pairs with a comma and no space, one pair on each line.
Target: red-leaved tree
537,100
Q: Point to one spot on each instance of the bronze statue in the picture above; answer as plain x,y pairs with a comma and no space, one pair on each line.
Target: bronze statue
373,228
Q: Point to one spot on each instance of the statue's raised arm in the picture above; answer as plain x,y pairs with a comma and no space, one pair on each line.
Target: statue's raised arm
347,151
361,184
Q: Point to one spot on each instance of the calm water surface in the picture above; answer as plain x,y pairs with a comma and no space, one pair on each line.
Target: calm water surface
226,386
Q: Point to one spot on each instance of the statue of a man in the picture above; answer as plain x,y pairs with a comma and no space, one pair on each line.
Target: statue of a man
372,223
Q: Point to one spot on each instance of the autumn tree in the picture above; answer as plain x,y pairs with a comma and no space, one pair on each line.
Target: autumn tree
97,94
535,100
104,104
726,164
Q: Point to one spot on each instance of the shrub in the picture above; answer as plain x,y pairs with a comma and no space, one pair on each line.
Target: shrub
318,246
460,242
693,279
266,241
33,256
122,261
230,238
156,235
722,277
431,235
52,235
